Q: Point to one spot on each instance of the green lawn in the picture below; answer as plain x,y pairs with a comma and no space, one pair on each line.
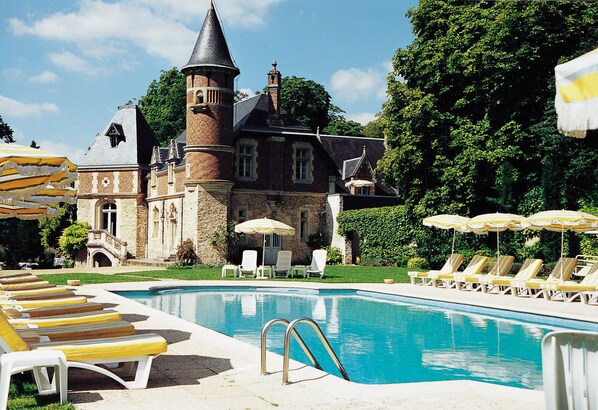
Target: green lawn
333,274
23,392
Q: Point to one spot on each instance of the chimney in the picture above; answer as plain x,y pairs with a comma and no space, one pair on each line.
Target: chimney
274,87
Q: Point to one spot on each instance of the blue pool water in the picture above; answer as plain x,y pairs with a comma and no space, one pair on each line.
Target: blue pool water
379,338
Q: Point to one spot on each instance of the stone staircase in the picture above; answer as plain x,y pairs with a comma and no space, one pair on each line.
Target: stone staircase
149,263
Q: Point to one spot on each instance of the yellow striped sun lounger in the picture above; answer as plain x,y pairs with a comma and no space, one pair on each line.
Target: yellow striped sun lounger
475,266
472,281
569,290
533,287
450,266
502,284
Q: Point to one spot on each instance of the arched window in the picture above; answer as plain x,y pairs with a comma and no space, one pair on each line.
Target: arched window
173,225
199,97
109,217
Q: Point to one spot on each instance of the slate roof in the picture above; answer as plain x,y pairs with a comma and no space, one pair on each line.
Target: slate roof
342,148
211,48
253,112
135,148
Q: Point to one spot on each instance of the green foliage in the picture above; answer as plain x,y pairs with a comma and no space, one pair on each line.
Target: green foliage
470,121
318,240
333,255
20,241
417,263
73,239
5,132
50,229
185,253
384,234
344,127
307,101
225,238
163,106
373,129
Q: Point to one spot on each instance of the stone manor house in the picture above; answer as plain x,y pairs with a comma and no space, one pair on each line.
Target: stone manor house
234,162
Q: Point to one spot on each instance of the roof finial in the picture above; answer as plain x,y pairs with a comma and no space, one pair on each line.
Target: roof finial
211,4
274,64
318,131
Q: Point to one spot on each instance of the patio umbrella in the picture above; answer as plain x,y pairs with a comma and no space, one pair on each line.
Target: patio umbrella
265,227
26,210
447,221
576,100
563,220
24,171
497,222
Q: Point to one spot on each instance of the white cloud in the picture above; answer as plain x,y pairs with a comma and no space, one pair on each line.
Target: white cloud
163,28
362,117
14,108
44,77
353,84
12,73
73,63
75,155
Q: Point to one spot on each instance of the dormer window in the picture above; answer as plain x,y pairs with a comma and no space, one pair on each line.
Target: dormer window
116,134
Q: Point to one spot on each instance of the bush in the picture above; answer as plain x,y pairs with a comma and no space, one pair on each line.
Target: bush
317,240
417,263
185,253
333,255
73,239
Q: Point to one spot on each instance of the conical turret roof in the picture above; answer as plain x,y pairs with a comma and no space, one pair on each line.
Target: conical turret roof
211,49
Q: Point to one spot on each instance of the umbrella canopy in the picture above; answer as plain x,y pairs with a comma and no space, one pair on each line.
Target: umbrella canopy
497,222
26,210
576,100
24,171
447,221
265,227
563,220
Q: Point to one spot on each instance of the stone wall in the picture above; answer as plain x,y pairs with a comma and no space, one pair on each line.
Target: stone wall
212,215
285,208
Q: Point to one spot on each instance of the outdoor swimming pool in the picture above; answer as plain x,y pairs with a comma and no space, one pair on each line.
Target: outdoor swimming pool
379,338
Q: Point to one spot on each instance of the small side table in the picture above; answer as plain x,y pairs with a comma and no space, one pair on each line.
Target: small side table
298,269
227,268
264,272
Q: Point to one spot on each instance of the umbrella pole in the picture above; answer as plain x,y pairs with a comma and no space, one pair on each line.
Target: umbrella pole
264,252
453,247
562,239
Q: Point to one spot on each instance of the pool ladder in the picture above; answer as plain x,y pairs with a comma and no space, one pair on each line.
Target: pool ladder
287,346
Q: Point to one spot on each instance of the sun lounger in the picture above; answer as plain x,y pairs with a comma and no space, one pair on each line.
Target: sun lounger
283,264
570,370
33,303
49,293
472,281
475,266
450,266
26,286
87,354
100,316
318,264
77,332
248,266
502,284
533,287
569,290
53,310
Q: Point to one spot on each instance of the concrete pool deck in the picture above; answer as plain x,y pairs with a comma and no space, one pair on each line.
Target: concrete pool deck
206,369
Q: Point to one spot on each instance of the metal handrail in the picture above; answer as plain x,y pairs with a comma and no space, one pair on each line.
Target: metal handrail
267,327
287,348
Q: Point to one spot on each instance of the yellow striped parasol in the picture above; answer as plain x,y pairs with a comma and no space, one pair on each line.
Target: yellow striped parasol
561,221
264,226
497,222
448,221
24,171
26,210
576,100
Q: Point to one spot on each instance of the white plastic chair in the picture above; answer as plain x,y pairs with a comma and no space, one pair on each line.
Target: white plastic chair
248,264
36,360
318,263
570,370
283,264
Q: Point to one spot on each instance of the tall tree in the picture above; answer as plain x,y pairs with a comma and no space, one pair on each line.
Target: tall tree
164,105
344,127
5,132
467,120
308,102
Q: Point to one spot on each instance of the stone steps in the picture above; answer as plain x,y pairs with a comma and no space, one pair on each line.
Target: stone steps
158,263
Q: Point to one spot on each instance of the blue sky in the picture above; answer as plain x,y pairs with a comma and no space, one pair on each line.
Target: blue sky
66,65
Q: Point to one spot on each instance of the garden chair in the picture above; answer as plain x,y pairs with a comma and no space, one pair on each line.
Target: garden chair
283,264
248,266
318,263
